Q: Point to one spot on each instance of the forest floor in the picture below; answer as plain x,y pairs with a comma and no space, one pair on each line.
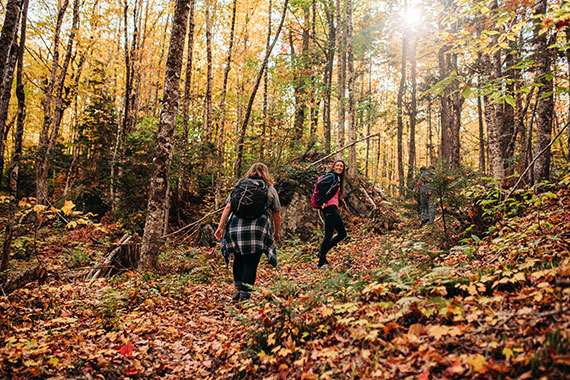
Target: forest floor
391,306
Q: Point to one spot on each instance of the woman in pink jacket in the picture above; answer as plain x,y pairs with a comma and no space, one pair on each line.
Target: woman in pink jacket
331,186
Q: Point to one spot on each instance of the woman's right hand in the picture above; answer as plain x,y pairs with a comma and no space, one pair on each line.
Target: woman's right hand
218,234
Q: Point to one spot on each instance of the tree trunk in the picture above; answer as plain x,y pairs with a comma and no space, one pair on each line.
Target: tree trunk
209,75
314,106
329,9
413,112
159,66
7,53
220,156
249,108
482,166
78,132
430,133
186,102
7,63
545,111
151,240
14,172
5,103
300,63
451,105
400,112
53,103
265,86
508,130
494,119
341,73
568,66
353,163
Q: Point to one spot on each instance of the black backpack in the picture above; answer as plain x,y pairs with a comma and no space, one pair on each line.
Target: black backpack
248,199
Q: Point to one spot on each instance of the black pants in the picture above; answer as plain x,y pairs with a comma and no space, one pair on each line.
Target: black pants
332,222
245,271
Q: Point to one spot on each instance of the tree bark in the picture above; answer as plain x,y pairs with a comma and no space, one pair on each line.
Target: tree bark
220,156
5,96
568,69
545,110
353,163
209,75
7,62
451,104
54,105
151,240
341,74
14,171
400,112
266,86
249,108
482,165
300,77
413,111
314,106
186,102
329,10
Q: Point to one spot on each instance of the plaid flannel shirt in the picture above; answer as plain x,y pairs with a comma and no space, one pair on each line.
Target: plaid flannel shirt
248,236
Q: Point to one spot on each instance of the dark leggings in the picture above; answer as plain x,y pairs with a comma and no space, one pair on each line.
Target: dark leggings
332,222
245,271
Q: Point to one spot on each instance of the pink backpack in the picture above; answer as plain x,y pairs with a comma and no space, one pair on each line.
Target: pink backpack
316,195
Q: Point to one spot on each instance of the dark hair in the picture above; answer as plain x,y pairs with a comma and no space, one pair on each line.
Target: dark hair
341,175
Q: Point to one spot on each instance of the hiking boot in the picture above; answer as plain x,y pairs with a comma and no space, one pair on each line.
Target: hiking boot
244,296
236,296
323,266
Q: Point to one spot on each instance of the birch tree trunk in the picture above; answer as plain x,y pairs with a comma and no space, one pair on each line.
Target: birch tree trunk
353,163
7,62
341,75
329,10
491,65
151,240
545,110
14,171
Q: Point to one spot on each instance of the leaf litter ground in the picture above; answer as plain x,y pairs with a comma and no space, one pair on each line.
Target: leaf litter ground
391,306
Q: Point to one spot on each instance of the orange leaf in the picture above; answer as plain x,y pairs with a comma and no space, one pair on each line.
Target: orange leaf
423,376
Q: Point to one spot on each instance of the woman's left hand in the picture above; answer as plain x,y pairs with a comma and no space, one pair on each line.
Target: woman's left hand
218,234
276,237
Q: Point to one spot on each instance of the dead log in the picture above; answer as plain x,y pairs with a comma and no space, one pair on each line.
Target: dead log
39,273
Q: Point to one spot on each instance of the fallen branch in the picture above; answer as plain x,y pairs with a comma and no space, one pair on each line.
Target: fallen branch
193,223
370,199
509,316
534,160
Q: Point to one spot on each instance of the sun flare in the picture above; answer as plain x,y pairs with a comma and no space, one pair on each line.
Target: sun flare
412,15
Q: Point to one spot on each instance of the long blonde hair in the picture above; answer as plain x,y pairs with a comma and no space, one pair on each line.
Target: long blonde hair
260,170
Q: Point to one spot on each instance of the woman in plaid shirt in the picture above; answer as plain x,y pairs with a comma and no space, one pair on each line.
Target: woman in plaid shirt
247,239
